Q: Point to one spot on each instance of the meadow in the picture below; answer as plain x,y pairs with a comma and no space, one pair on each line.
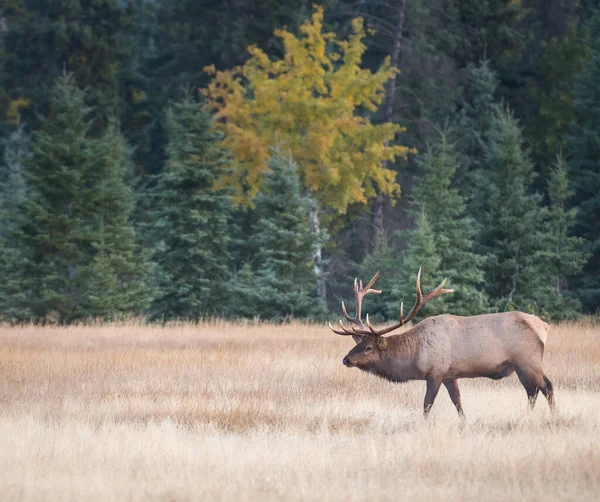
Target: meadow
222,411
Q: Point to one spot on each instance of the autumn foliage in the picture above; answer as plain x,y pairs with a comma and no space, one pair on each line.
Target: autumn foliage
314,102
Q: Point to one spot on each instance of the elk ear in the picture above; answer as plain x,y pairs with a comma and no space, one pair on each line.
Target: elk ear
382,343
357,339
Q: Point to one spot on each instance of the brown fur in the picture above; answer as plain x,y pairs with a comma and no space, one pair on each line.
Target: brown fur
444,348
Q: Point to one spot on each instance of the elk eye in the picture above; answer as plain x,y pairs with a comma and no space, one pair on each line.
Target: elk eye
368,348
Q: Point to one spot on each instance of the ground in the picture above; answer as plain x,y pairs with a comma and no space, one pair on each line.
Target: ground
260,412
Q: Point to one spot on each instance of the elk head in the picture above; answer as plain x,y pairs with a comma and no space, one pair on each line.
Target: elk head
370,343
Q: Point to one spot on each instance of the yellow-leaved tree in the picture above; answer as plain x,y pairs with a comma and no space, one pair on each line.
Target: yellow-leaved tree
315,103
312,102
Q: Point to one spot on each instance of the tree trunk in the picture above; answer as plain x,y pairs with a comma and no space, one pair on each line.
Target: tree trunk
317,257
377,214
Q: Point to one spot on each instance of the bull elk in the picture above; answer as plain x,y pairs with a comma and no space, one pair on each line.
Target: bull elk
444,348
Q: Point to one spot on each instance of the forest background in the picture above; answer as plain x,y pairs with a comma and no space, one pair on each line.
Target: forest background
190,159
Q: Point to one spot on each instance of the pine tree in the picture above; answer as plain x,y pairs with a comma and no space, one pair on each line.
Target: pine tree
81,36
482,29
384,260
117,272
453,230
512,223
422,253
190,224
80,206
102,294
473,122
54,231
563,256
15,285
283,281
584,165
17,152
143,102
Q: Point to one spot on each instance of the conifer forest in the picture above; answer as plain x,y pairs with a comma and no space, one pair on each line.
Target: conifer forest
188,159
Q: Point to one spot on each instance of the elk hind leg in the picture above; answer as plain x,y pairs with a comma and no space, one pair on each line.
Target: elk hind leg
548,391
534,382
454,392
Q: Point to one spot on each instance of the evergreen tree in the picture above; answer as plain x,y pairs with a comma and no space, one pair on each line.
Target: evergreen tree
190,221
80,204
17,152
482,29
117,283
452,229
584,166
47,37
54,231
562,256
389,264
421,252
512,222
283,281
143,102
473,123
13,256
540,87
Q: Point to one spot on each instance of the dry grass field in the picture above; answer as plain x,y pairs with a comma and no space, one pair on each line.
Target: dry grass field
233,412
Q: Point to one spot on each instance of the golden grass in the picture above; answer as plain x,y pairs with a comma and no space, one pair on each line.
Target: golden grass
246,412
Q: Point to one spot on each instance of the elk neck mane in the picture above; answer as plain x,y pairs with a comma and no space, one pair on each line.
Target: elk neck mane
401,354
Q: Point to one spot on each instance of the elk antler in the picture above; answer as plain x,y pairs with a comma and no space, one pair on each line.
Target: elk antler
421,300
359,294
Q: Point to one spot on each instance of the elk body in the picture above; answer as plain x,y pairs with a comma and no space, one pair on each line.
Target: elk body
444,348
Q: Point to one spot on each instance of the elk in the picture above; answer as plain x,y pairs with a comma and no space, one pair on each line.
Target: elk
443,348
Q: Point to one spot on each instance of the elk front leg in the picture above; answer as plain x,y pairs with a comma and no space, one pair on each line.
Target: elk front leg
433,386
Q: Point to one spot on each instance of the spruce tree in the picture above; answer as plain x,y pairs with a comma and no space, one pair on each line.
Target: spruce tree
117,282
45,38
17,152
511,231
453,230
389,264
54,231
79,208
563,256
15,285
282,283
190,223
421,252
473,122
584,165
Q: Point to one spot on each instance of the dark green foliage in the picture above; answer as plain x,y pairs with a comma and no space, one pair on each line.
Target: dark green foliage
55,229
79,205
280,282
117,283
540,87
423,253
48,37
562,257
473,122
13,255
190,222
482,29
390,266
584,164
511,230
453,231
17,153
143,101
68,249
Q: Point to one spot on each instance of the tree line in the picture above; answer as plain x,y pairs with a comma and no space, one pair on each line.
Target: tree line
179,160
